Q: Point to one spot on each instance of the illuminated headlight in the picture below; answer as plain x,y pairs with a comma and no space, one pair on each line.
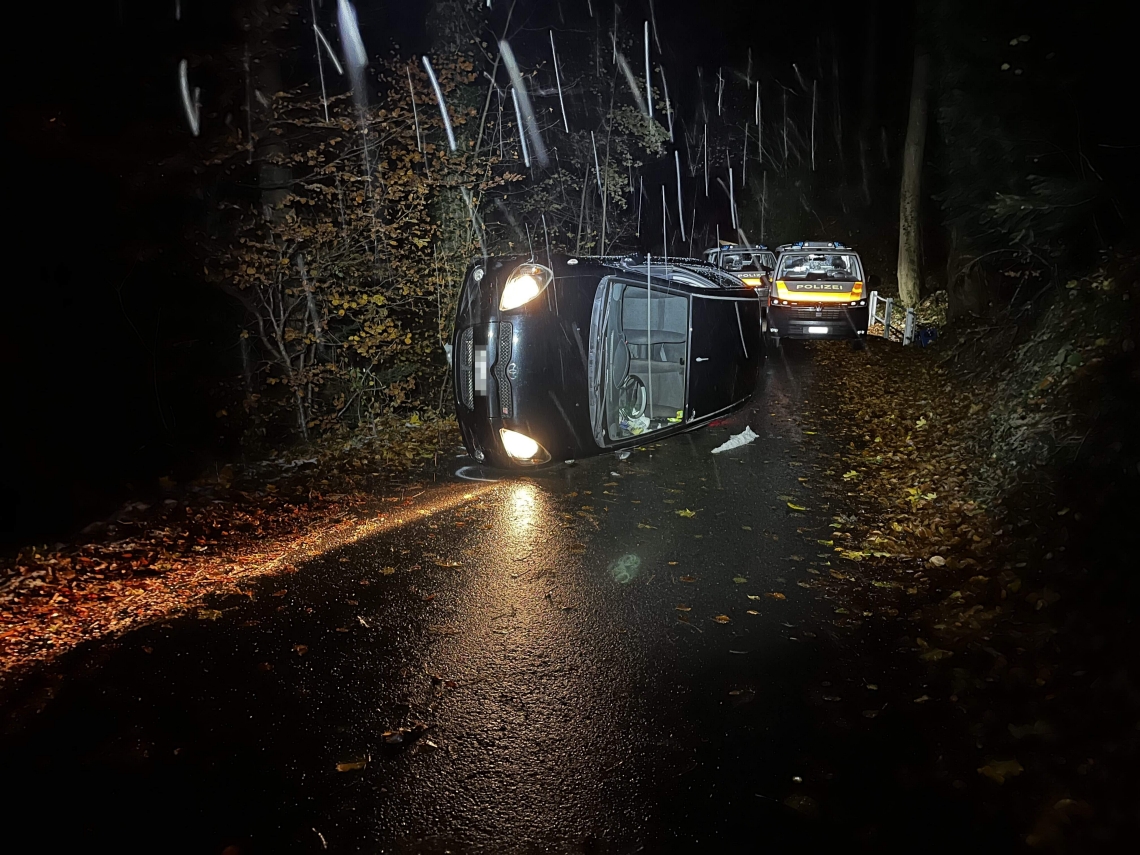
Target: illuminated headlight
527,282
521,447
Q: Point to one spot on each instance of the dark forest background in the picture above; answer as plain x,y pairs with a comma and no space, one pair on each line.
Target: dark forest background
125,352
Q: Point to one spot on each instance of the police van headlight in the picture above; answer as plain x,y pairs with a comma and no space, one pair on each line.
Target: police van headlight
527,282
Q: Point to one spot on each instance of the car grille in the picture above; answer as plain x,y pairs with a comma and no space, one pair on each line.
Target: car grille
805,314
502,360
467,369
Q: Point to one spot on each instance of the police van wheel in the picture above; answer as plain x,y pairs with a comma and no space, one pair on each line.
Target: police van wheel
763,322
858,344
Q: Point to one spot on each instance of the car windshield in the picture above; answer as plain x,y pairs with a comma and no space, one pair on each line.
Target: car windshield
818,266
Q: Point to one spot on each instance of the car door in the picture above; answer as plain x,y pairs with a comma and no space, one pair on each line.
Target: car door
720,353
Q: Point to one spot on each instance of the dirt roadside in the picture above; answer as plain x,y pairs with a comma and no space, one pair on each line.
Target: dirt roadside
983,494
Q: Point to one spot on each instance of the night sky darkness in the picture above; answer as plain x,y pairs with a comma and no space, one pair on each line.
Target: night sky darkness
115,347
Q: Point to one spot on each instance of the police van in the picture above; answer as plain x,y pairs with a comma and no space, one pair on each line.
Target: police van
818,291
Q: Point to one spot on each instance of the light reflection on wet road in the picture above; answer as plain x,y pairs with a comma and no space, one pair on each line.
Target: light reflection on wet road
557,634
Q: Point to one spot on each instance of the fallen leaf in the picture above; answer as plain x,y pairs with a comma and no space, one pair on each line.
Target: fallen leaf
755,597
351,766
1038,728
752,612
776,595
934,654
684,608
796,507
922,699
301,649
999,770
685,512
688,578
739,580
805,805
722,618
937,560
387,571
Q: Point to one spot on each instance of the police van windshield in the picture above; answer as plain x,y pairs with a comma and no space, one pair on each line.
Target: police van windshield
752,262
820,266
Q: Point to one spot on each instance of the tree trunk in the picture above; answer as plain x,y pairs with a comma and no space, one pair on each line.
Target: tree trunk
263,24
867,116
910,232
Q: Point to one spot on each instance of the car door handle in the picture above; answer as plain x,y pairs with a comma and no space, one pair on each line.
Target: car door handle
702,359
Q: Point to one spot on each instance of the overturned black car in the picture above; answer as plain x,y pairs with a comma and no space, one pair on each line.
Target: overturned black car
581,356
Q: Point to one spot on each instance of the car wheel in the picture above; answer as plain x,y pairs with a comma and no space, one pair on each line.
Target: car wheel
858,344
763,322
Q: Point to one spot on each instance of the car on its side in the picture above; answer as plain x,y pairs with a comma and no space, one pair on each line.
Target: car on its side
818,292
580,356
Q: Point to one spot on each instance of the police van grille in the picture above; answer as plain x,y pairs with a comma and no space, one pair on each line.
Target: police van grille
805,314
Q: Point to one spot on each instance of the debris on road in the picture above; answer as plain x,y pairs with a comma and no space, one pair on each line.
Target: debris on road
736,441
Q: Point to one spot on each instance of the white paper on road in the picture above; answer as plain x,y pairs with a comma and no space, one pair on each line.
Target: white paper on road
743,438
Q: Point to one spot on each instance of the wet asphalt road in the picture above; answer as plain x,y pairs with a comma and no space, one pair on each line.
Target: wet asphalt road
532,625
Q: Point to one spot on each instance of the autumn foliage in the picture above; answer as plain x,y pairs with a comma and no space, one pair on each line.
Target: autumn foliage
349,279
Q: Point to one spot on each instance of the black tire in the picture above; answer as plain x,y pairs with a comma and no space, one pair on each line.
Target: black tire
858,344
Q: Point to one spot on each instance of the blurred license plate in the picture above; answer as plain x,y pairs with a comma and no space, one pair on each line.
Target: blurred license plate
481,369
817,330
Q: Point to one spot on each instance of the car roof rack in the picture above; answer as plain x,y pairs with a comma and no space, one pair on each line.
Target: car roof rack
691,266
